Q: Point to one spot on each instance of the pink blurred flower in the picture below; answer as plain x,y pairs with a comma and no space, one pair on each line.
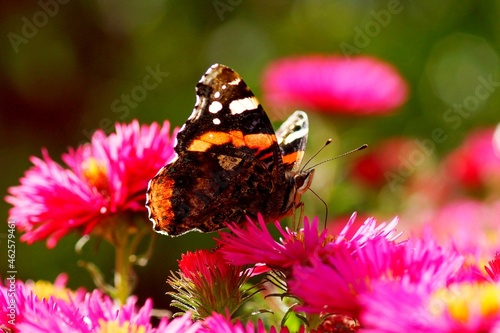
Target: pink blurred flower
358,86
470,226
102,179
493,268
466,307
334,281
374,166
476,162
79,312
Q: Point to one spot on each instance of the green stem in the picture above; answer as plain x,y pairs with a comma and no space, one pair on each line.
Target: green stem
126,243
123,270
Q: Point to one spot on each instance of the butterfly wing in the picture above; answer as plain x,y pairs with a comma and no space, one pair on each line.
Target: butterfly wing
228,160
292,139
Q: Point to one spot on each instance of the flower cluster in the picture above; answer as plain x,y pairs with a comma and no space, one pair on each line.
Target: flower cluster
44,307
373,277
207,284
366,278
102,181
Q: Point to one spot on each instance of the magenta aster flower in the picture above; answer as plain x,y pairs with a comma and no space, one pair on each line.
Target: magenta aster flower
334,280
180,324
207,284
467,307
220,323
358,85
493,268
23,310
254,244
479,239
104,178
96,313
19,301
392,308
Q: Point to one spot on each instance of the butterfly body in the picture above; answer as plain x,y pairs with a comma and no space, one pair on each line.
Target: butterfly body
230,163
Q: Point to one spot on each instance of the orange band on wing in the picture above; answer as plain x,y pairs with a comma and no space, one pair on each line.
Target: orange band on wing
159,201
292,157
259,141
236,138
198,145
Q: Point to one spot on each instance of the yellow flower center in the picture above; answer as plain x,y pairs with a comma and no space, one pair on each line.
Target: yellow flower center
465,301
45,289
115,327
96,174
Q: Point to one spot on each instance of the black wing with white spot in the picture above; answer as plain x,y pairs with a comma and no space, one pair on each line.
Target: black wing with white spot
292,139
224,103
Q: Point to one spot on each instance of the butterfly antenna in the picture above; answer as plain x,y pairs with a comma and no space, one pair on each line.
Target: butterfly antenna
317,152
339,156
324,204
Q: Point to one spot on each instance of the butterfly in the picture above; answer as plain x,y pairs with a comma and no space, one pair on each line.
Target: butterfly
229,163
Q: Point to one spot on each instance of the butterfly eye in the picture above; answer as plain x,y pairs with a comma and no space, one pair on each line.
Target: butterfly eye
303,181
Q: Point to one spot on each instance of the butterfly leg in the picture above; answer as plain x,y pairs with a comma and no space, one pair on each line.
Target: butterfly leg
296,222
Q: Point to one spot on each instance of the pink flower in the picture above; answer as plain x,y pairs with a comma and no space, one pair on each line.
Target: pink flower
219,323
103,179
23,310
358,86
334,281
255,244
467,307
207,284
395,308
180,324
99,313
475,226
493,268
476,162
252,244
19,301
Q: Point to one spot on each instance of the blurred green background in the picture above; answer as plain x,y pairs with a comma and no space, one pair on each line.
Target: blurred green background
63,73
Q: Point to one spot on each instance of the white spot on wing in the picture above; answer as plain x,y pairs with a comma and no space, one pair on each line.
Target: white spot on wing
215,107
195,114
216,121
217,94
235,81
245,104
296,135
224,86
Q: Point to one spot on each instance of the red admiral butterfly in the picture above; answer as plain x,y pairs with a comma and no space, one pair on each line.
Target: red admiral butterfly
230,163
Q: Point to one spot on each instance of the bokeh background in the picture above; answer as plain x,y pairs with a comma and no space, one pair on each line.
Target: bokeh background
65,78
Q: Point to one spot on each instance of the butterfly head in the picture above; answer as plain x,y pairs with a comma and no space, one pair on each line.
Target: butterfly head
301,183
